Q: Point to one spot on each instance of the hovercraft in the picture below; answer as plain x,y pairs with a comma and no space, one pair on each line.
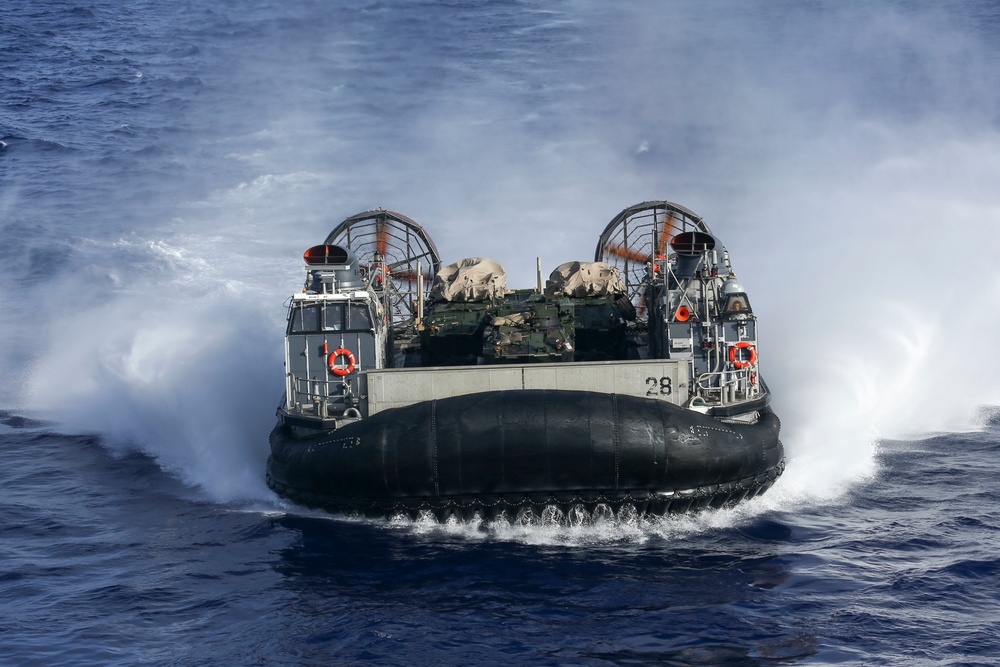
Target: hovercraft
630,383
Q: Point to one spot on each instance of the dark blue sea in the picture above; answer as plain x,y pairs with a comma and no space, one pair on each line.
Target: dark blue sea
164,164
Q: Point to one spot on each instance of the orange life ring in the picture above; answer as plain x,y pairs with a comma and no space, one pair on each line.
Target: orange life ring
743,345
337,354
682,314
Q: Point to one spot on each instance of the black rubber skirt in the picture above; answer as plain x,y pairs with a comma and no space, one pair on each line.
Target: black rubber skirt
510,451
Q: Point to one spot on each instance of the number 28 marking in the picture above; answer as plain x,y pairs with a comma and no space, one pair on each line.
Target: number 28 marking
658,386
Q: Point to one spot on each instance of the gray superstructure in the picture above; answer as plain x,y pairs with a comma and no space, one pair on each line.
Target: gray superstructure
679,317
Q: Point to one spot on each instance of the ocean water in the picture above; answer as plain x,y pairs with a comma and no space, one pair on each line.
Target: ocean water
163,166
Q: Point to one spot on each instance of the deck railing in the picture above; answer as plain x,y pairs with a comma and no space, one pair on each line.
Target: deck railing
728,386
317,398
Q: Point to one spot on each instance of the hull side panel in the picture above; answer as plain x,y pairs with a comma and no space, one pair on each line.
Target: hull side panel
515,444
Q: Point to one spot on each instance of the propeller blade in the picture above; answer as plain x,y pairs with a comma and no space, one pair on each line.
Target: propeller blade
666,233
407,274
627,253
381,236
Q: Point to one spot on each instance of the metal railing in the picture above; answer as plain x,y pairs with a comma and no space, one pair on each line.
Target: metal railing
728,386
318,398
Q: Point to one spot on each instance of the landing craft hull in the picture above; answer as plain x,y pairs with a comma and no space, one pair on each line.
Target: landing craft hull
630,383
505,451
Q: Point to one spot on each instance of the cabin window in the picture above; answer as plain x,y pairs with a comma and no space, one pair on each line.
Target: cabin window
333,317
346,317
737,303
315,318
304,319
360,317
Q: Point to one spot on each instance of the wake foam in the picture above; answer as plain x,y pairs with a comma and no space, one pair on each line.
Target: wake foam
574,528
183,363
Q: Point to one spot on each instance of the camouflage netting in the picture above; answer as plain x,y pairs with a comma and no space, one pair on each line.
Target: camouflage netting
472,279
579,279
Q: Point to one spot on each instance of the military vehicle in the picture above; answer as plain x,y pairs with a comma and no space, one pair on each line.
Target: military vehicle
626,384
